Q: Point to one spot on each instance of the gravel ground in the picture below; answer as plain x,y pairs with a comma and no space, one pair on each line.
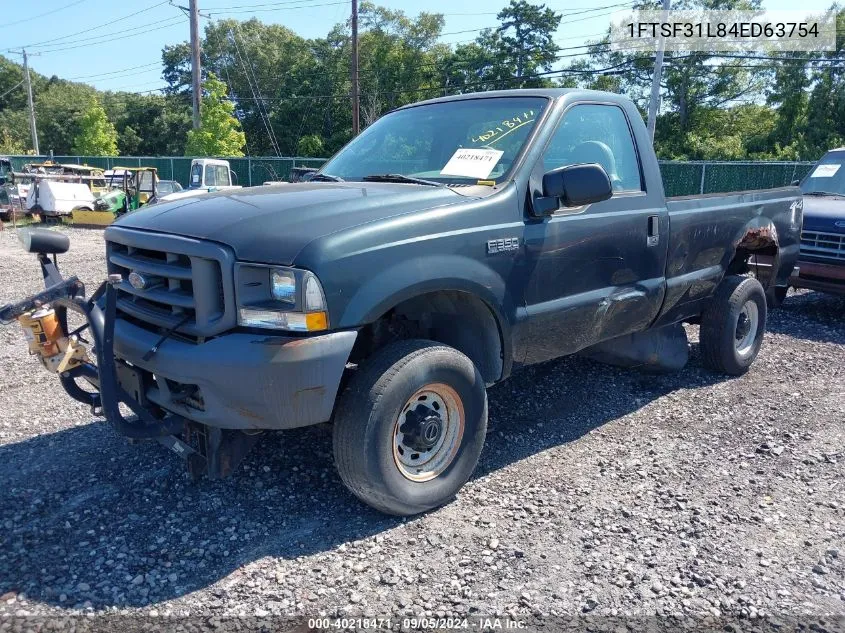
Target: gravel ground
600,491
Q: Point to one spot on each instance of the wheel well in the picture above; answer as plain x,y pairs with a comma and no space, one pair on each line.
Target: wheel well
757,253
456,318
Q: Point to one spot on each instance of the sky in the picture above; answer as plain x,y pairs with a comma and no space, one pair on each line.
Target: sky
117,45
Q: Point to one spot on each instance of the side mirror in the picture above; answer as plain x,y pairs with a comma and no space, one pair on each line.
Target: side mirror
233,177
795,183
577,185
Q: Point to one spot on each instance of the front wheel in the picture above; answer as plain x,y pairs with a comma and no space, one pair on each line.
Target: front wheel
410,427
733,325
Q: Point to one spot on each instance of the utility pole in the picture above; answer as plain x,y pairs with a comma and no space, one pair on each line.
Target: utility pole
356,97
33,131
196,70
654,102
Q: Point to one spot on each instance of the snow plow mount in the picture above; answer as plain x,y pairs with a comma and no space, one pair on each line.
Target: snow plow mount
44,318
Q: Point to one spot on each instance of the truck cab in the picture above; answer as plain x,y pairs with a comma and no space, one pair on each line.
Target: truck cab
206,175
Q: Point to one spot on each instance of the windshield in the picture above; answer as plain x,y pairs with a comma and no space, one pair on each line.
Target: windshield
449,142
216,176
828,176
168,186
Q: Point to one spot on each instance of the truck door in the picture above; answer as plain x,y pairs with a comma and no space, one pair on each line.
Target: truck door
597,271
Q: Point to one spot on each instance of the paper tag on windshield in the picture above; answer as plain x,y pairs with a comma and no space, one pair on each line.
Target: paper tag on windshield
472,163
825,171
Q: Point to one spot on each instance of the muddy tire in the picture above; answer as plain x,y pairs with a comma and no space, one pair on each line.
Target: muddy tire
410,427
733,325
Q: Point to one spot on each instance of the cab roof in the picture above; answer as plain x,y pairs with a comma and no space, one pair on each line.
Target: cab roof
547,93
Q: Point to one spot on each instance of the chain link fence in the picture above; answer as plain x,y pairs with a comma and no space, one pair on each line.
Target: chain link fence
686,178
248,171
680,178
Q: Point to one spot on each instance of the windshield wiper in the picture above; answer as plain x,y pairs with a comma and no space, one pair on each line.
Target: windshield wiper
401,178
823,193
326,178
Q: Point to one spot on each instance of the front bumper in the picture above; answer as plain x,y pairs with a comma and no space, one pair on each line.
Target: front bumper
240,380
820,277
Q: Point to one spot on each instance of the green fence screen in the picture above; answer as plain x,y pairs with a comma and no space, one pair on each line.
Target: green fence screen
249,171
679,178
690,178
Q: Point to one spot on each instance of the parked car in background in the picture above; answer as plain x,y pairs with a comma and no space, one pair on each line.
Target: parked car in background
821,263
166,187
297,174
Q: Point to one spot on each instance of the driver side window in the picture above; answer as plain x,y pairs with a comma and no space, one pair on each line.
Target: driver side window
596,133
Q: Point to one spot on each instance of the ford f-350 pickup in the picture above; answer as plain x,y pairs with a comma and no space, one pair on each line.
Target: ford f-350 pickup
450,243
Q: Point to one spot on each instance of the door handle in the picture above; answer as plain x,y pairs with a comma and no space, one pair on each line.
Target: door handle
653,238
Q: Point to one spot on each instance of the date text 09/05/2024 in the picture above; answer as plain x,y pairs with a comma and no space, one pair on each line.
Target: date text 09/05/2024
416,623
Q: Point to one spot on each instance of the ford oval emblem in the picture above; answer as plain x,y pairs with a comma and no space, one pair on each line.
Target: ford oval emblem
840,224
137,281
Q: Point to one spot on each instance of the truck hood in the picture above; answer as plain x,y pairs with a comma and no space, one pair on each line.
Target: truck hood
192,193
272,224
824,213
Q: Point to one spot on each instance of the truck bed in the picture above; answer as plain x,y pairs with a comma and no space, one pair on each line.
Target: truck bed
707,230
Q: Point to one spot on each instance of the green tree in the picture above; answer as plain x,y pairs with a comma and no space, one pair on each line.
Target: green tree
525,40
509,56
58,111
9,144
14,131
149,124
220,132
286,87
311,146
97,135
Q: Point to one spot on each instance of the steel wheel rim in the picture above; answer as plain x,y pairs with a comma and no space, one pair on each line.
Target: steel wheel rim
747,325
433,415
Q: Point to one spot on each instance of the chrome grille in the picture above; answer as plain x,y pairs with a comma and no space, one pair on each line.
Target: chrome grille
191,289
829,246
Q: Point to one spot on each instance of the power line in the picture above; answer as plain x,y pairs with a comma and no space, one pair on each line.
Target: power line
262,111
255,6
286,8
15,87
53,40
105,39
478,83
114,72
41,15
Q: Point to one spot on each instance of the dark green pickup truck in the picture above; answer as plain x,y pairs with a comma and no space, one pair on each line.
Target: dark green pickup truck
451,243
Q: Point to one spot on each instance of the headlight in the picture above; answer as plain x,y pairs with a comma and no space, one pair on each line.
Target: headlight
283,285
280,298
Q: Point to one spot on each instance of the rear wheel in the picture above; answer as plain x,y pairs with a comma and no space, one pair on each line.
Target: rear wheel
733,325
410,427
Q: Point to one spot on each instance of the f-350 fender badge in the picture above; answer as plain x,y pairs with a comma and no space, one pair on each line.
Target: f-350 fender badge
502,245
